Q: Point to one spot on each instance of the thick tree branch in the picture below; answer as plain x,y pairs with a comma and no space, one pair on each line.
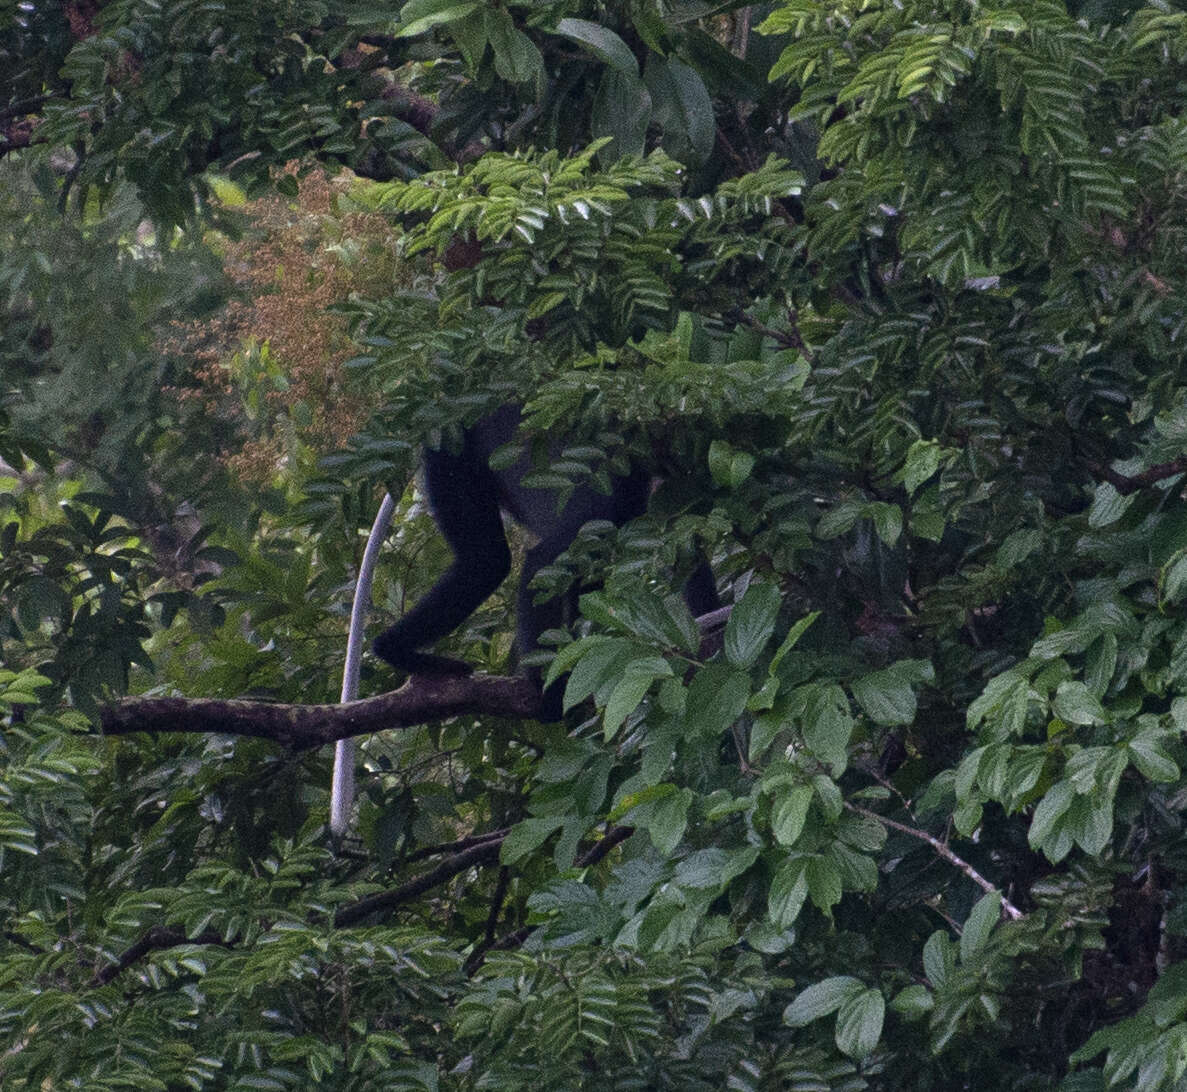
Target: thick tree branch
299,727
421,700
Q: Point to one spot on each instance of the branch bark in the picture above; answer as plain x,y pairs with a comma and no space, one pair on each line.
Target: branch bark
156,939
299,727
486,853
421,700
1131,483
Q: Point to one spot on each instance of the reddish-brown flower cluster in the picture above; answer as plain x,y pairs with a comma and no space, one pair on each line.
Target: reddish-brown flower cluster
277,348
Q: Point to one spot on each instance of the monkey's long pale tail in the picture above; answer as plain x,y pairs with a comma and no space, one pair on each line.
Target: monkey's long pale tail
342,785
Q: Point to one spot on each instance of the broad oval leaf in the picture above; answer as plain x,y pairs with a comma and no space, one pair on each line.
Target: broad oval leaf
821,999
751,623
859,1023
601,42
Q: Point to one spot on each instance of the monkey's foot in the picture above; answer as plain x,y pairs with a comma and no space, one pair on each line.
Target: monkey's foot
423,663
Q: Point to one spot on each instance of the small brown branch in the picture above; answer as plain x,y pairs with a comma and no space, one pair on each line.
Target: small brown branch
492,919
614,836
1131,483
20,941
787,339
458,846
513,939
496,905
299,727
157,938
1008,908
16,137
445,871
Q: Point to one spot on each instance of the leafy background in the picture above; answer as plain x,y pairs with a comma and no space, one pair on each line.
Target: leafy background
890,299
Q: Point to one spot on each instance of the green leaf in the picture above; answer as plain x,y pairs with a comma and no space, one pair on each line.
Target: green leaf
1089,821
888,520
789,814
729,468
859,1023
564,660
637,677
469,34
824,883
1074,703
838,520
939,959
716,699
828,792
1026,767
821,999
792,638
1146,752
663,620
417,16
600,662
683,109
913,1001
1049,812
517,59
923,460
979,924
40,599
1173,578
526,836
751,623
621,111
603,43
668,819
888,696
789,889
1108,506
1016,548
828,725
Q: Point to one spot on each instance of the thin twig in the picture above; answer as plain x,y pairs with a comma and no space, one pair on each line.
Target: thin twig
1008,908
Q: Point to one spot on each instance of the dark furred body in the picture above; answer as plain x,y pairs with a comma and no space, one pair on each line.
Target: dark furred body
466,496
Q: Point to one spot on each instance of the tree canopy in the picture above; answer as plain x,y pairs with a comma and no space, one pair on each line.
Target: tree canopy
888,298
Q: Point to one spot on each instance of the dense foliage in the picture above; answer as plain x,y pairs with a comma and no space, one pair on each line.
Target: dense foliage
889,298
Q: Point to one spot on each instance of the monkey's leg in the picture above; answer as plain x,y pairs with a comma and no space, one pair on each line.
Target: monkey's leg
463,496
